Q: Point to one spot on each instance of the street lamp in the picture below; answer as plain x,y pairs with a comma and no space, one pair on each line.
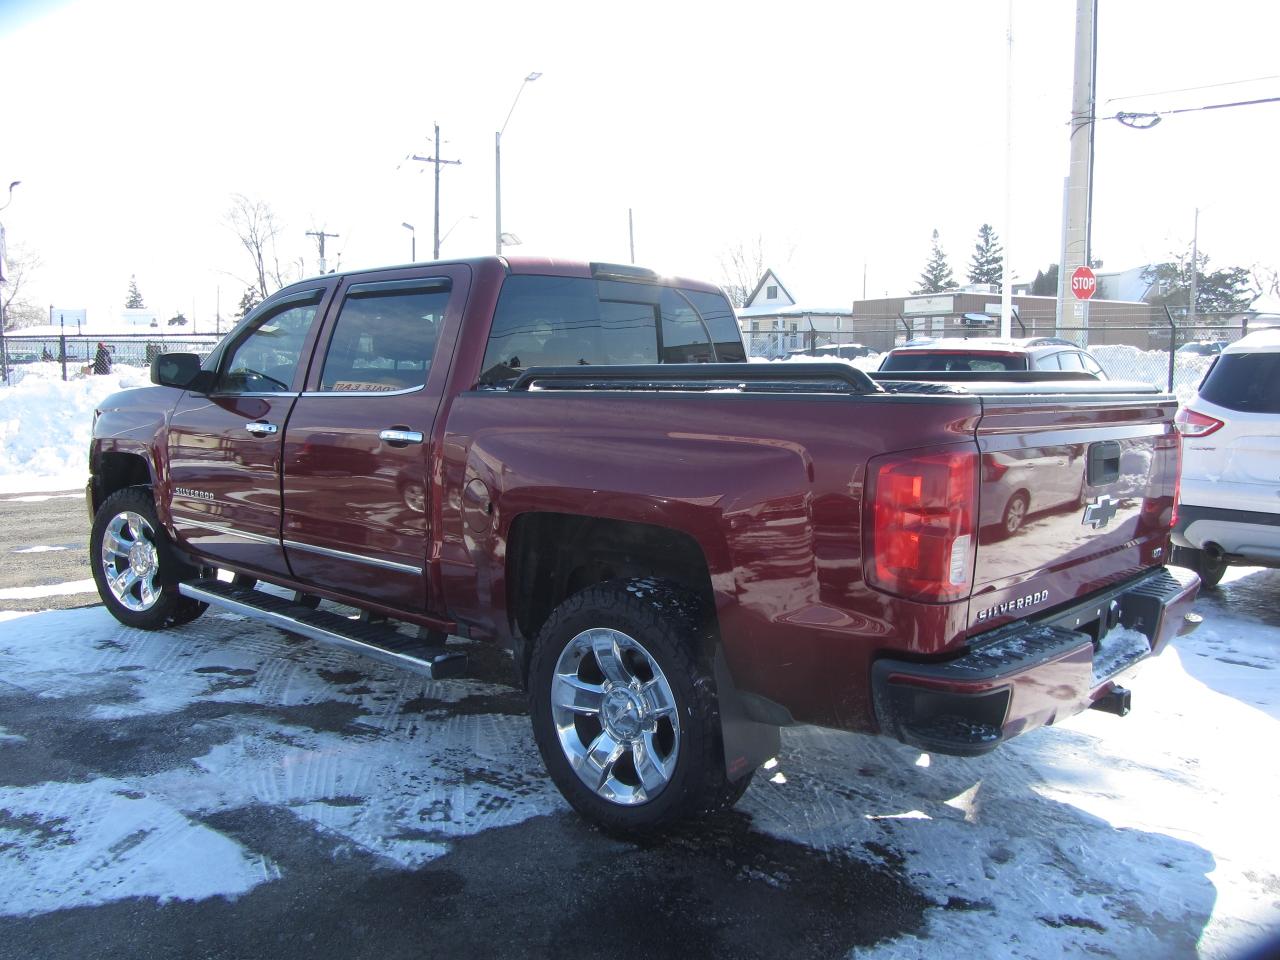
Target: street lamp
16,182
413,242
4,354
497,162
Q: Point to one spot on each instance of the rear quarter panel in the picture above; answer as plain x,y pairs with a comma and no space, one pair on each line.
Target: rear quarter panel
769,487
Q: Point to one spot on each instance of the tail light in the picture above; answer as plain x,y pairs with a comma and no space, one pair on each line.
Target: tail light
1193,423
921,521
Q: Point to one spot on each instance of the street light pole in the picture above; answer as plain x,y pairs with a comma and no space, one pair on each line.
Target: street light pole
497,164
4,354
413,242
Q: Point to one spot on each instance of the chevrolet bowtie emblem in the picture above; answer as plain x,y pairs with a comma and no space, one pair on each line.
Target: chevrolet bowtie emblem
1100,512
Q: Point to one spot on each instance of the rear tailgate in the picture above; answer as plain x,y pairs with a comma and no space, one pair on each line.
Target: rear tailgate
1076,493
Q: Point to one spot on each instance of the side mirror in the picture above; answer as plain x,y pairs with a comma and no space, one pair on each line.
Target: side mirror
180,370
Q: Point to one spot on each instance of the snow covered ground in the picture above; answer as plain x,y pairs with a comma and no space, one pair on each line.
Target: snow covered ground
1147,836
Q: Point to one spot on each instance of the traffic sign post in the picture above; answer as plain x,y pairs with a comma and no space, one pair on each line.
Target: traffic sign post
1084,284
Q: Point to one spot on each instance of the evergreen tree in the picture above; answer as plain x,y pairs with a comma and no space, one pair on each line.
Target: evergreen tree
1046,282
937,272
178,320
987,265
1229,290
250,300
134,302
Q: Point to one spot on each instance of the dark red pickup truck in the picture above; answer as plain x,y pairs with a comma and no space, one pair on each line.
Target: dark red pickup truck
683,551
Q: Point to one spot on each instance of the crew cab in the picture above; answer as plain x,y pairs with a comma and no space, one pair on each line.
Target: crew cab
682,551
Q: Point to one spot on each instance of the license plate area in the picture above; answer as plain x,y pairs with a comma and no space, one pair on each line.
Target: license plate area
1094,620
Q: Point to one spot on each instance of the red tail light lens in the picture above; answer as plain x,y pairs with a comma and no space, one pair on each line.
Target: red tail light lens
1192,423
921,523
1177,480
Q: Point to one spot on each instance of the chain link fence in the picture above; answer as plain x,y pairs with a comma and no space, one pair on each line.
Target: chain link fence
1149,345
78,355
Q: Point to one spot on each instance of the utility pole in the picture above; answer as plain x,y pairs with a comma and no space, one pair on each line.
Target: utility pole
1006,279
631,232
1080,172
437,161
320,236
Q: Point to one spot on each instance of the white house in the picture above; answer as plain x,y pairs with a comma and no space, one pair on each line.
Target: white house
771,307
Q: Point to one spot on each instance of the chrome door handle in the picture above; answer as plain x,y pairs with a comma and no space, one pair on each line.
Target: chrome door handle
260,428
401,436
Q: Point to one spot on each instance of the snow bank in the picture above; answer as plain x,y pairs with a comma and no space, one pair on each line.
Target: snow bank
45,426
1152,366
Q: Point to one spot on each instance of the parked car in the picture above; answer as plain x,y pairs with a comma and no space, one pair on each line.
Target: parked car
680,556
992,354
1202,348
1230,501
844,351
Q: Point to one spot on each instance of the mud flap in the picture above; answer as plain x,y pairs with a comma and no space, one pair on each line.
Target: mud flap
748,743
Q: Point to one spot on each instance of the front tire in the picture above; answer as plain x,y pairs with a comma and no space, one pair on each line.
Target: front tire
134,565
624,710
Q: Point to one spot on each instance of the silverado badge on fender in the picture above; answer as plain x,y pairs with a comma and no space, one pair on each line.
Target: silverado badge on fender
1100,512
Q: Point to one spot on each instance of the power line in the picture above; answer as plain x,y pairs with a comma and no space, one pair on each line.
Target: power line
1148,119
1207,86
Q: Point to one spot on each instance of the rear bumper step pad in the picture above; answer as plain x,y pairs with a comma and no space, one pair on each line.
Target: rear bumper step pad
1028,674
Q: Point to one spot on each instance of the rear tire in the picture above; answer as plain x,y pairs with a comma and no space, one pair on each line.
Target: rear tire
134,565
1210,571
624,709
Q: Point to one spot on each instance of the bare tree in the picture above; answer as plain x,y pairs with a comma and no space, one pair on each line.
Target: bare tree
20,264
1267,280
742,266
257,229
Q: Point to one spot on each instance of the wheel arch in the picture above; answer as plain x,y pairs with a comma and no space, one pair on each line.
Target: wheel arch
551,556
116,469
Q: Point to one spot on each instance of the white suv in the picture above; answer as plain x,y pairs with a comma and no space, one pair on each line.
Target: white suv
1230,504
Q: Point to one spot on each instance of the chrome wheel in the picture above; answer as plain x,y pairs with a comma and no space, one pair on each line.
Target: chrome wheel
130,561
615,716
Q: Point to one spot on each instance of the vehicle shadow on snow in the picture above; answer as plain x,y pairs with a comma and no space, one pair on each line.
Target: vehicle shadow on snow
986,838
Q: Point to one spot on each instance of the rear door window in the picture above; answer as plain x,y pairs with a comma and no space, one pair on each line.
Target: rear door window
385,337
1248,382
575,321
1070,360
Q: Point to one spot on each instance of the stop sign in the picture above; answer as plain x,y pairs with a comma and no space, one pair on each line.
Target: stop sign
1083,283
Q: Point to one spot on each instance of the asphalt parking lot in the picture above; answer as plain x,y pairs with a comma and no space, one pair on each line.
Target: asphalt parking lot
226,790
44,540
